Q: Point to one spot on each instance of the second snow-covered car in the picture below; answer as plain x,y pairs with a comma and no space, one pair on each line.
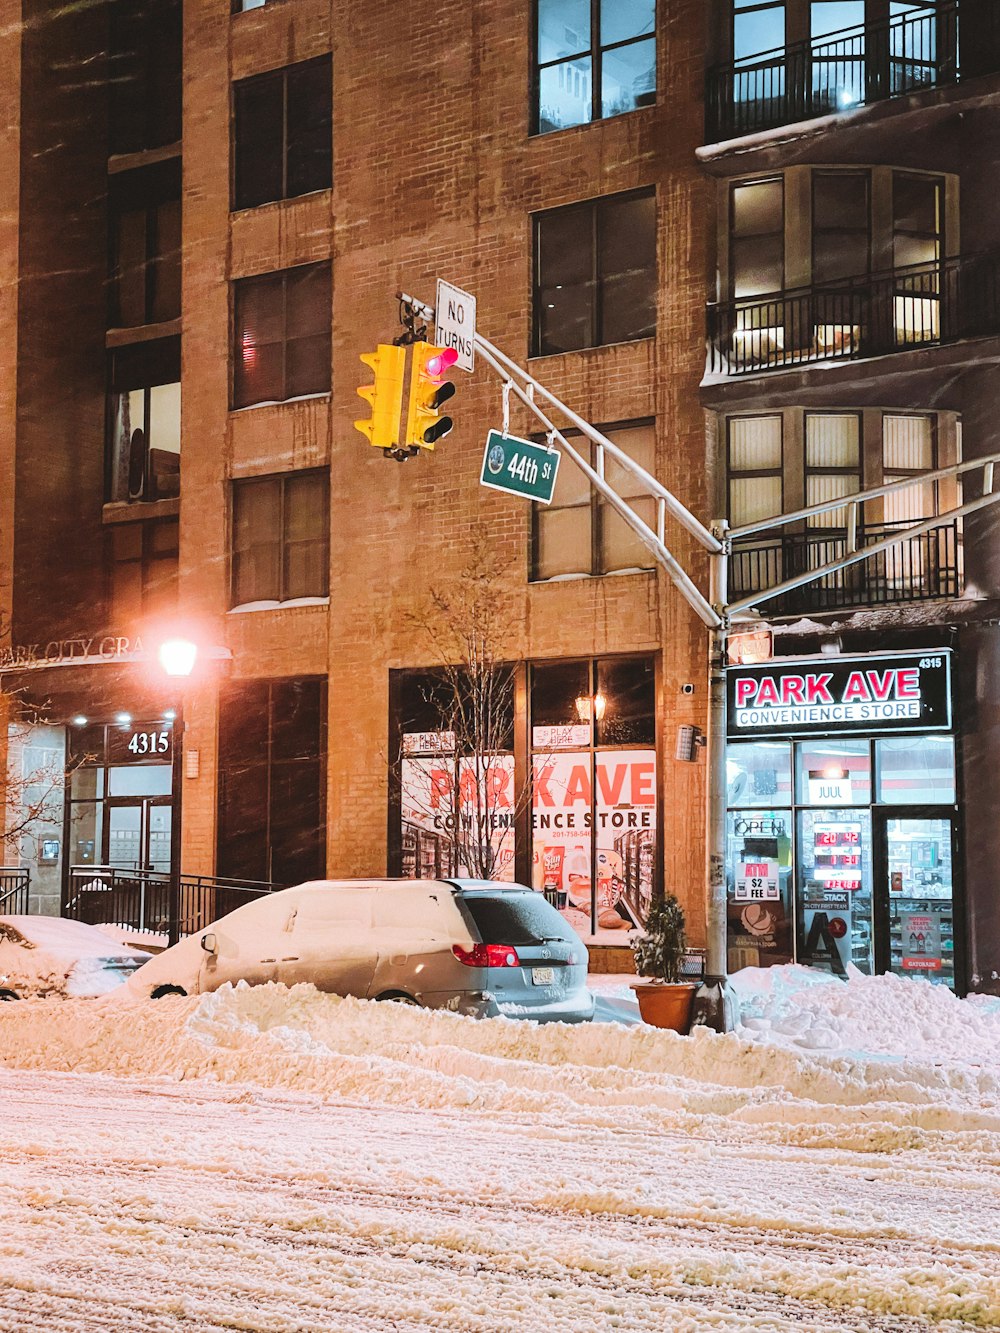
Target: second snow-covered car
50,956
471,946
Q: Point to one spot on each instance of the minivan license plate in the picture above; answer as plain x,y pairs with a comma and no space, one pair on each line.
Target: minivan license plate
542,976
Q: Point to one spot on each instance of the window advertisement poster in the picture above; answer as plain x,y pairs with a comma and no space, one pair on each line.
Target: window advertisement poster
759,877
594,836
450,807
921,932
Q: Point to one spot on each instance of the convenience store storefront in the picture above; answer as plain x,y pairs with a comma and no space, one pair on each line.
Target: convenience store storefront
842,820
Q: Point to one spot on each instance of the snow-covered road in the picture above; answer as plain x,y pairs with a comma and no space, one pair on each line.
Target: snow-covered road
267,1161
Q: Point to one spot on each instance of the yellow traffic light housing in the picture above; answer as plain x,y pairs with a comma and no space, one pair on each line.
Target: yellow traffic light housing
428,390
385,395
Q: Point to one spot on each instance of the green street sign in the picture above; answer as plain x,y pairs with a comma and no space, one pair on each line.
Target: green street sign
519,467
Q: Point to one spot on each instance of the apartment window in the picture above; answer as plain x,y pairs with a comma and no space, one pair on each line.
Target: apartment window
144,74
840,235
579,533
757,27
833,463
281,538
146,246
757,238
595,273
144,421
754,468
281,325
594,59
143,570
282,144
272,775
908,449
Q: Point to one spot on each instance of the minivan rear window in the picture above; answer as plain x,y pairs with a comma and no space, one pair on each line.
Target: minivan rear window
516,918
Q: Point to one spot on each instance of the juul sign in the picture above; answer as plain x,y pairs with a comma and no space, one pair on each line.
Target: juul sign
908,692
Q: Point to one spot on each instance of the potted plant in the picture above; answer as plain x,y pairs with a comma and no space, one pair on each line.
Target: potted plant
664,1000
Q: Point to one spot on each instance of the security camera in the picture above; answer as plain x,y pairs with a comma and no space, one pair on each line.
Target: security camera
687,688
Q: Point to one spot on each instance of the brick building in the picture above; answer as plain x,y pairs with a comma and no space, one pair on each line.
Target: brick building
214,215
208,218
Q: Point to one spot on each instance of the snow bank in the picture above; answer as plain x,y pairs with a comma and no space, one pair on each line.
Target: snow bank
302,1041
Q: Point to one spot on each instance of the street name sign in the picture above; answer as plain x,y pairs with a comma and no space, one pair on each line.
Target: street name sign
519,467
455,323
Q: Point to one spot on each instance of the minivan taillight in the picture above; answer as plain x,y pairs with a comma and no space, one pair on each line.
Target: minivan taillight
487,955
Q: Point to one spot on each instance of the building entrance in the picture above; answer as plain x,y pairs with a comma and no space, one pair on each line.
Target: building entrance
137,833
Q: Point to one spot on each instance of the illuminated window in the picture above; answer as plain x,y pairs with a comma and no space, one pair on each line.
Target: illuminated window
593,59
281,328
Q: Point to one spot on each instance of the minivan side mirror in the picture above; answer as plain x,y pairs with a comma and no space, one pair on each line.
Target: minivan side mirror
208,943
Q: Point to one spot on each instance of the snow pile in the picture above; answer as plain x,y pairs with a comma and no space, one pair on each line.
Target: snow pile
886,1015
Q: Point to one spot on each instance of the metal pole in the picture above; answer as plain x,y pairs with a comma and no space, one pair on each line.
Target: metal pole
715,1003
176,777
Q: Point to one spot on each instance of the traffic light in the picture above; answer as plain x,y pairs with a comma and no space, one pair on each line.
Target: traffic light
428,390
385,395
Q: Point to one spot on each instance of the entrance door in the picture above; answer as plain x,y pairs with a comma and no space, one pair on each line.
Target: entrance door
835,889
916,915
137,833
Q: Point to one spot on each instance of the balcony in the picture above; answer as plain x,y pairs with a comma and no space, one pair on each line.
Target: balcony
877,314
893,57
921,569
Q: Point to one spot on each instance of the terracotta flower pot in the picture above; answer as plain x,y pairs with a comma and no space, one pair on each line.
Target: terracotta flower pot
663,1004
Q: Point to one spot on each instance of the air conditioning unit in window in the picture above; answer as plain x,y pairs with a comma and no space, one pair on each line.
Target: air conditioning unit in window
138,461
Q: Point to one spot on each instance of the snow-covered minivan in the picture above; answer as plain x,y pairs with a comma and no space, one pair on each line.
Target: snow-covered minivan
471,946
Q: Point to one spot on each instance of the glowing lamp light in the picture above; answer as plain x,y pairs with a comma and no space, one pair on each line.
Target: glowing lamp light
79,720
834,772
440,364
846,97
123,719
177,656
588,706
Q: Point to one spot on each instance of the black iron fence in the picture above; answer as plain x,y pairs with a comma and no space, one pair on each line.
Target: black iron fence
922,568
14,887
927,48
144,900
871,315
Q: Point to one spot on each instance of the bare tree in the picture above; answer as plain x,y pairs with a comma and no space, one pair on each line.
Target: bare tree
466,629
35,776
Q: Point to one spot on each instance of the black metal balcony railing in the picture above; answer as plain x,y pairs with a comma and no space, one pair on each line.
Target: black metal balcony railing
917,570
14,892
873,315
140,900
930,48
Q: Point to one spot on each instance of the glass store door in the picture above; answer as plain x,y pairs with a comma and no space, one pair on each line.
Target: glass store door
137,833
917,907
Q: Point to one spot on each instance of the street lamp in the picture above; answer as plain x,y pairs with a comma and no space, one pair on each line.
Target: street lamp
177,657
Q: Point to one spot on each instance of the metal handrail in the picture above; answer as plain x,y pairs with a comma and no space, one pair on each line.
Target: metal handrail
15,888
855,66
143,900
870,314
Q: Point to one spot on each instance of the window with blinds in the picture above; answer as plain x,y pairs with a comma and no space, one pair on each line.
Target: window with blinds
907,451
755,461
833,463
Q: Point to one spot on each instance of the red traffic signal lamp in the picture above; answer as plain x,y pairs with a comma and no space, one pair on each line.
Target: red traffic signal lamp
428,391
385,395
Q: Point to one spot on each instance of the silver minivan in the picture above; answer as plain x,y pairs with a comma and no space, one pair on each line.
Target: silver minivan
471,946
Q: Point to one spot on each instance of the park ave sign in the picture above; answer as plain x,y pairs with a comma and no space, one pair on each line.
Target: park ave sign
879,692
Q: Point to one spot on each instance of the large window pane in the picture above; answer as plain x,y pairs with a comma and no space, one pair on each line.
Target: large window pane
758,773
620,547
757,244
623,19
627,268
565,95
281,327
565,280
563,28
916,770
306,552
628,78
835,890
833,773
282,133
759,887
626,714
256,542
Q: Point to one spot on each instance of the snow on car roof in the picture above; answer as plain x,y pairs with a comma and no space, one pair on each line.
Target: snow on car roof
57,934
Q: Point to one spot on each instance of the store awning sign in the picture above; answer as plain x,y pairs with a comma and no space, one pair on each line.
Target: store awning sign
874,693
